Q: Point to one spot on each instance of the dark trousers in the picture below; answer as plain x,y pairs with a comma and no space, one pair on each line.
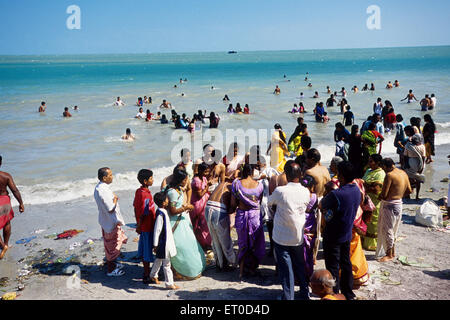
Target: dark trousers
290,261
337,256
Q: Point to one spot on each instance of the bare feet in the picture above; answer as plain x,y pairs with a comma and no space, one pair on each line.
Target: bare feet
172,287
385,259
2,254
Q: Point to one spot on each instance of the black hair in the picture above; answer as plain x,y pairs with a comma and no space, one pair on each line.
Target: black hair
178,177
314,155
183,151
346,170
377,158
371,126
247,170
128,131
102,172
308,181
305,142
144,174
409,131
354,129
387,162
399,117
202,167
159,198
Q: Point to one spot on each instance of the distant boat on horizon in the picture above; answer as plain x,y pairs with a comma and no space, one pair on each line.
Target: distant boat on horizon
232,52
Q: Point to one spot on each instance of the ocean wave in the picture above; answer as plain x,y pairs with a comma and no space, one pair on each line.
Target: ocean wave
67,191
443,125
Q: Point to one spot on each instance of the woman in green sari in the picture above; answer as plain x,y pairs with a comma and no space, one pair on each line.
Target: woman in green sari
373,183
189,262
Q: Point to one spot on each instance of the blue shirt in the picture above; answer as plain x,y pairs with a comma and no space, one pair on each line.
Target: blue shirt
341,206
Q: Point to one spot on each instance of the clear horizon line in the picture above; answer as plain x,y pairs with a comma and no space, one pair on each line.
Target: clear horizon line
220,51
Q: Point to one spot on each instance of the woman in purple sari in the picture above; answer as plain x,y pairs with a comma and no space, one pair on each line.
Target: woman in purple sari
310,234
246,197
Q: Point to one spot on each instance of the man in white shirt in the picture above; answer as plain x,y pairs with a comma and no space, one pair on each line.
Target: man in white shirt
289,220
141,114
119,102
111,220
433,102
378,106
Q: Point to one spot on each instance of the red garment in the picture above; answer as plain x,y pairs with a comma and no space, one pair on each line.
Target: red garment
6,211
66,234
148,221
390,118
377,134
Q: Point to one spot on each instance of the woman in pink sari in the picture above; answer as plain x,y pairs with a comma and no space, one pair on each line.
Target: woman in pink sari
200,196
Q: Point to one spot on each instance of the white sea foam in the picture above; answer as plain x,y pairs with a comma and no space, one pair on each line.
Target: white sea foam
443,125
72,190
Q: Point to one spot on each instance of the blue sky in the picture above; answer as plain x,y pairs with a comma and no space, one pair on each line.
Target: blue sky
147,26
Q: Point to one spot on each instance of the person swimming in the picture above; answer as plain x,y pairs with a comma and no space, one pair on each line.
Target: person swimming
277,90
128,135
230,108
295,109
316,95
226,98
246,109
119,102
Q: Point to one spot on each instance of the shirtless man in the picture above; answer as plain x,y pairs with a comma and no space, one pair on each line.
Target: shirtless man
166,104
277,90
425,103
322,284
42,107
396,186
66,113
218,170
6,211
410,96
219,224
317,171
389,85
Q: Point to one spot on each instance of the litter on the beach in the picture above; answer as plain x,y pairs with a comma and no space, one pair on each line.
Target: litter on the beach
404,260
68,234
74,245
39,231
25,240
9,296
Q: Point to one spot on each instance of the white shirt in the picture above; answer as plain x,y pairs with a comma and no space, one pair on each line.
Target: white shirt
171,249
104,198
289,220
433,101
142,115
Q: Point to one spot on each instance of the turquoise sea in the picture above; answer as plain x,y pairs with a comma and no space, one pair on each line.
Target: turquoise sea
55,159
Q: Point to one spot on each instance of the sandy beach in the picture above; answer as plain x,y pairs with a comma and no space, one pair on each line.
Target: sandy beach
38,269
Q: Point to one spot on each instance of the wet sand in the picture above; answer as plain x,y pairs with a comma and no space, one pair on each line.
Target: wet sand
388,281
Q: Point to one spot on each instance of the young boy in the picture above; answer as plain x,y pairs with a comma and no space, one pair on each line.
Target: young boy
145,213
163,242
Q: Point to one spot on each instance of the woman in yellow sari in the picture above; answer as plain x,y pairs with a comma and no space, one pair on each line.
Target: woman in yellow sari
278,149
373,183
296,138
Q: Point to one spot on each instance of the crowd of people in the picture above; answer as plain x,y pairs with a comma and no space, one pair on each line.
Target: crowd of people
191,217
352,206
